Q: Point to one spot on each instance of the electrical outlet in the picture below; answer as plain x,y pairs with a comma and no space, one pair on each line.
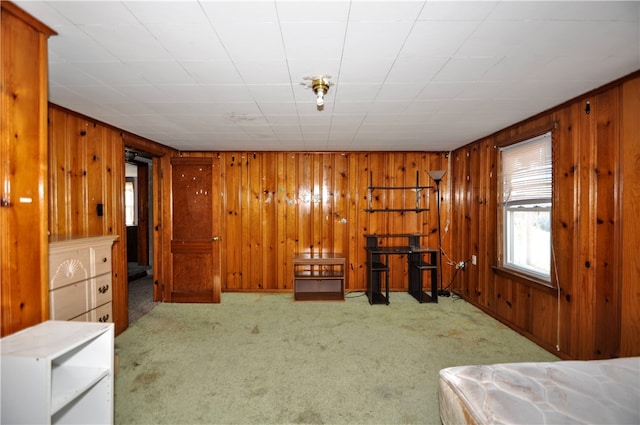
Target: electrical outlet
460,265
474,260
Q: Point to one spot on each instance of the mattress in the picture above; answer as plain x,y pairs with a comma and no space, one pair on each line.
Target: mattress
563,392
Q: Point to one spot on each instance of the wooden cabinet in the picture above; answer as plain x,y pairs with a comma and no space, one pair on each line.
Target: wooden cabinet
318,277
80,286
23,169
58,372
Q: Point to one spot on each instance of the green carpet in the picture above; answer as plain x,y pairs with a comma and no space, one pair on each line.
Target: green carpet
263,358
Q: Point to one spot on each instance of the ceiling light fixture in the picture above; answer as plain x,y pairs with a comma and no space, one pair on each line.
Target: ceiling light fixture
320,86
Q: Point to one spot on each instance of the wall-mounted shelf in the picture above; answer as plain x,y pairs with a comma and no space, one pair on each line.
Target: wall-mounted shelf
417,189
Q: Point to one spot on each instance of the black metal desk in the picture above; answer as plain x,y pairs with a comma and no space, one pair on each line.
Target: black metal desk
378,265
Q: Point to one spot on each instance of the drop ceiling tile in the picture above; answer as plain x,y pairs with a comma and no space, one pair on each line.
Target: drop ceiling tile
390,106
110,73
70,75
323,40
128,42
375,40
465,69
280,93
212,71
256,41
74,45
385,11
398,91
426,38
263,72
45,13
454,10
243,12
414,69
313,11
206,93
188,41
167,12
95,12
364,70
356,92
275,109
161,72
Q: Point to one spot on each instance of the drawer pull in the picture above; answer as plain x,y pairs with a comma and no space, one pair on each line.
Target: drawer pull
104,318
104,260
103,289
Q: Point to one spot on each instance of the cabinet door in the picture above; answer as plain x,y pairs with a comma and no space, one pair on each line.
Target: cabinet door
23,169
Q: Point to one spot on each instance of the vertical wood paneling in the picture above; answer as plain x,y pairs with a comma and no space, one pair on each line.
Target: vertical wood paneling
630,225
587,315
606,256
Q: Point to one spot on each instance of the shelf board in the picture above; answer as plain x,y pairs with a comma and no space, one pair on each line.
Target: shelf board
315,274
319,296
69,382
396,210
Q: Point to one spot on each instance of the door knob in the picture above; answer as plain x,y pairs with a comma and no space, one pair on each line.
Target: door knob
215,238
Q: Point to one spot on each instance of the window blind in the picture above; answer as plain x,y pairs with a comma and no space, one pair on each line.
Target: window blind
526,171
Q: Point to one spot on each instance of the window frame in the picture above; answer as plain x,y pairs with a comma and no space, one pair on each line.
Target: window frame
502,211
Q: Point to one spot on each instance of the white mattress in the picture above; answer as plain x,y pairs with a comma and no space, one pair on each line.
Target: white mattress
563,392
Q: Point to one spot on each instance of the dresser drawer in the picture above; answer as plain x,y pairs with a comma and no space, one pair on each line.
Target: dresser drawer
102,313
101,290
68,267
69,301
101,259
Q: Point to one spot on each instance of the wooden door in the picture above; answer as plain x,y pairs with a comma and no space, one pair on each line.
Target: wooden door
194,247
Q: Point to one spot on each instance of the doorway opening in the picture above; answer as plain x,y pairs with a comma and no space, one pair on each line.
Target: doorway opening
139,220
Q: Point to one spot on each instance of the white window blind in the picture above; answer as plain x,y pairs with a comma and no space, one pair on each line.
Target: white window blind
526,171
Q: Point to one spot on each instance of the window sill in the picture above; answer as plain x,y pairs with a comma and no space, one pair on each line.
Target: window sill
523,278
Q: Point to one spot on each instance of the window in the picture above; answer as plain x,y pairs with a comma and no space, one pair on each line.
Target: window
129,203
526,206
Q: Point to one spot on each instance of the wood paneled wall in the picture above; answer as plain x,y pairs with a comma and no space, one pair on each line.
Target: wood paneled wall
86,168
594,310
276,204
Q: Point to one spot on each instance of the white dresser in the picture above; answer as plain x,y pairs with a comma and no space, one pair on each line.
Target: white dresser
80,286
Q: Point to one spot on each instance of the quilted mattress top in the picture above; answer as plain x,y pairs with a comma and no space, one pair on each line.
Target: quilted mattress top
593,392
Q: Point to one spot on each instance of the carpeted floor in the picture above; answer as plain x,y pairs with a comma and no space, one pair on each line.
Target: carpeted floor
140,297
263,358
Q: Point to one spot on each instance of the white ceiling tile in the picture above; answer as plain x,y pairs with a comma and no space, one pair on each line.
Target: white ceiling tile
263,72
165,72
399,91
313,11
427,38
375,40
212,71
364,70
74,45
256,41
94,12
167,12
272,92
413,69
385,11
128,42
242,12
356,92
110,73
457,10
465,69
187,41
323,40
